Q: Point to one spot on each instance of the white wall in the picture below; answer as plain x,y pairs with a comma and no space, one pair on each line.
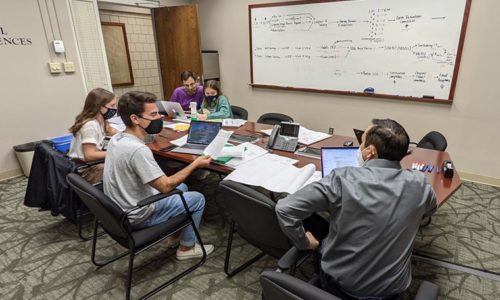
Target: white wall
34,103
471,124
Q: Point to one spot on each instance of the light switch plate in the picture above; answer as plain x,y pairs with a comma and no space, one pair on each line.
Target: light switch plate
55,67
69,67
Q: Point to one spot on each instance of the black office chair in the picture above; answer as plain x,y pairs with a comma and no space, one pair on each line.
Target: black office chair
274,118
47,187
239,112
276,285
253,217
433,140
115,222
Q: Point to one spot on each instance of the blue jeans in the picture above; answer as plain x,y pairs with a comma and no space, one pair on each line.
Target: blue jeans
172,206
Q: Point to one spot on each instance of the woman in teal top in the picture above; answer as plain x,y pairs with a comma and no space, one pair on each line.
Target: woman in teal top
215,105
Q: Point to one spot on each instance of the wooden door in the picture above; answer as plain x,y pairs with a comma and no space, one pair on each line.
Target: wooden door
178,41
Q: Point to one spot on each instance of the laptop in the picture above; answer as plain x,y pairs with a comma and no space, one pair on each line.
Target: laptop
172,109
199,136
359,134
338,157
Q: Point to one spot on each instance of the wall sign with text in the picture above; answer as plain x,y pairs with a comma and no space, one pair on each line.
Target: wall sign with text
7,39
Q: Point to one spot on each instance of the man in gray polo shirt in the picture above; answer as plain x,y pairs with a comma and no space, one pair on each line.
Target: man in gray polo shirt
375,212
132,174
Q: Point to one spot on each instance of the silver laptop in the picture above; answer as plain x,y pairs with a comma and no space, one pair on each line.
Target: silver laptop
199,136
172,109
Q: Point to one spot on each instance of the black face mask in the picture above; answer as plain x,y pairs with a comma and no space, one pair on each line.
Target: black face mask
210,99
111,112
154,127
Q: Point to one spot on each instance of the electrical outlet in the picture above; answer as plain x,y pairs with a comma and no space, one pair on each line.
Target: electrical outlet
69,67
55,67
330,130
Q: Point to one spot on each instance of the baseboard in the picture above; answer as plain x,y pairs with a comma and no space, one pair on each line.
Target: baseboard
480,179
10,174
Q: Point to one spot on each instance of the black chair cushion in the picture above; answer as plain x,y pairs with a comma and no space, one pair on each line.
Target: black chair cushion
144,236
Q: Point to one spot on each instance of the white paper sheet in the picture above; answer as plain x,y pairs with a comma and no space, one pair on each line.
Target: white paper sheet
232,152
251,152
233,122
309,137
180,141
215,147
273,174
119,127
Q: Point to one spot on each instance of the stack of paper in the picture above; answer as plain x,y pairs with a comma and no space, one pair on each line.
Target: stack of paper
273,174
306,136
250,152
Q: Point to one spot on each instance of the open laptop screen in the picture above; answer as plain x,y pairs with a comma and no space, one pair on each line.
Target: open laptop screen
338,157
359,134
203,132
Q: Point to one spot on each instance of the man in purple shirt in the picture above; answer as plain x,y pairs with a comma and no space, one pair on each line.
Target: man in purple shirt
190,91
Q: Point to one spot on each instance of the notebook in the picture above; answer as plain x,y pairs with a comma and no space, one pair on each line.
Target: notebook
199,136
338,157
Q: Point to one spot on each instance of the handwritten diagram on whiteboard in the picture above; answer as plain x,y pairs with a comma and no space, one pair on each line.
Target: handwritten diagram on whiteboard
394,47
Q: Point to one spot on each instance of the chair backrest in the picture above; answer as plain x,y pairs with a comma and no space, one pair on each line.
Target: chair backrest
274,118
239,112
105,210
255,217
283,286
276,285
433,140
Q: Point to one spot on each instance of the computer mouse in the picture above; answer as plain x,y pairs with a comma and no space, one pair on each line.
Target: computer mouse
348,143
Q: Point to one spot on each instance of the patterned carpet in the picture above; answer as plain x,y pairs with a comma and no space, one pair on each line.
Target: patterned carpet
41,256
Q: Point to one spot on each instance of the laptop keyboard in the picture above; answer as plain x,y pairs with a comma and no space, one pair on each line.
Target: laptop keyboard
194,146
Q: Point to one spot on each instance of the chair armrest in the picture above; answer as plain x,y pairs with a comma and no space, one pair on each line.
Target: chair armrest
413,143
427,291
292,258
153,199
157,197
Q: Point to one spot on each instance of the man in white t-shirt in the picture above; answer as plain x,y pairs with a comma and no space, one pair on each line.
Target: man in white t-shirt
132,174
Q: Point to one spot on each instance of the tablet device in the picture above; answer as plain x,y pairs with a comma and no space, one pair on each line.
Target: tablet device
338,157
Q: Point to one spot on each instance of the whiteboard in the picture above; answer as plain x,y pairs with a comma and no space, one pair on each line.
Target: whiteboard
402,48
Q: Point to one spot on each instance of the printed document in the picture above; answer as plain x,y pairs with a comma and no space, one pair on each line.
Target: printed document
273,174
215,147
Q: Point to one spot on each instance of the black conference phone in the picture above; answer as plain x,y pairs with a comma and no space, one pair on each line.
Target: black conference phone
284,136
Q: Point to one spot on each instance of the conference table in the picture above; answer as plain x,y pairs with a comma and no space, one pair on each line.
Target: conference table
444,187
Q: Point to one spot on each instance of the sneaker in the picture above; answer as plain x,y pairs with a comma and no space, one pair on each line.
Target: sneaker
194,252
173,241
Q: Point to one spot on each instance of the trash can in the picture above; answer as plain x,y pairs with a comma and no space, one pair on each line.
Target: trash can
24,153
